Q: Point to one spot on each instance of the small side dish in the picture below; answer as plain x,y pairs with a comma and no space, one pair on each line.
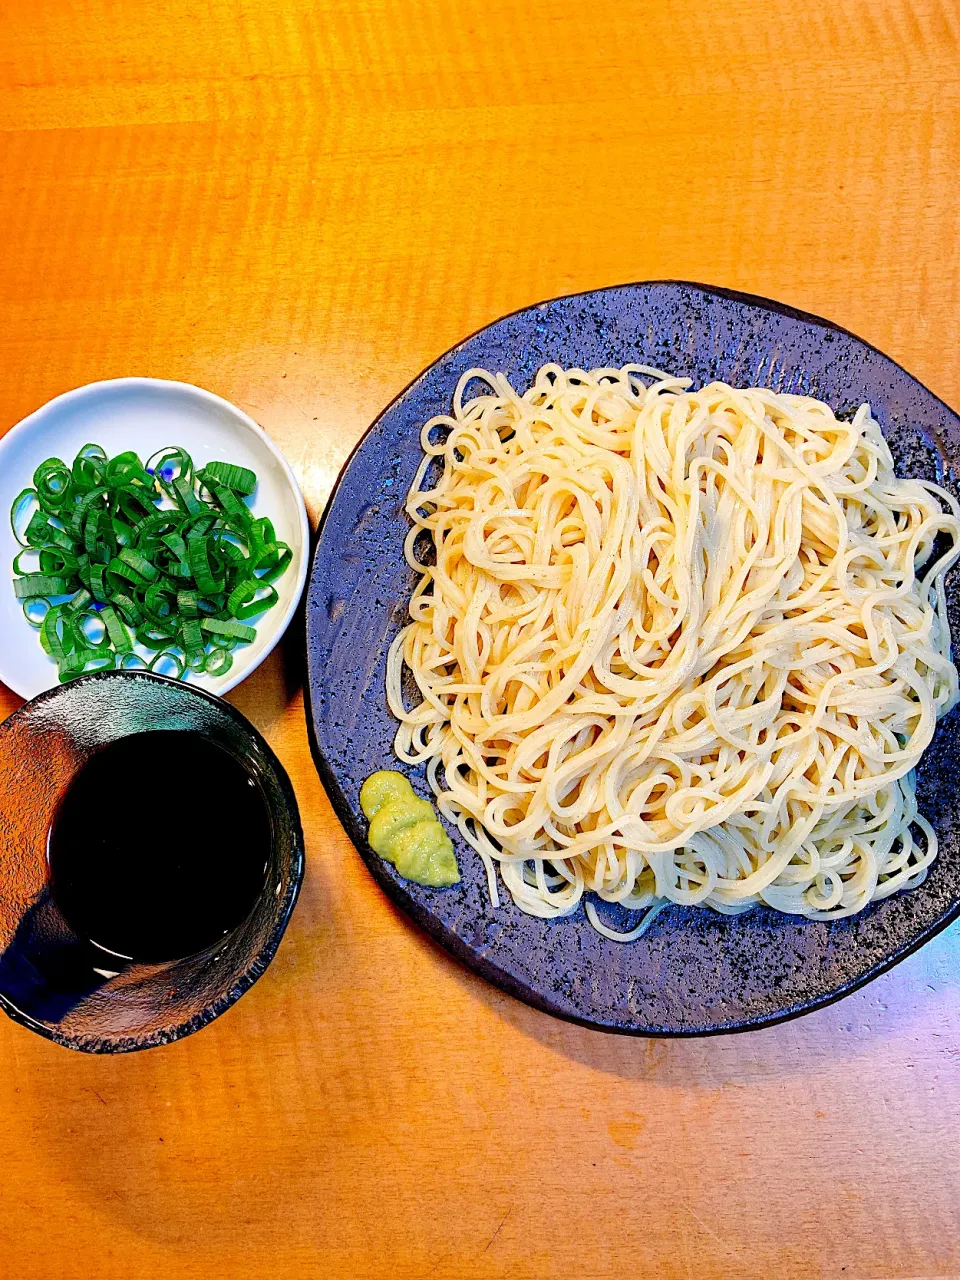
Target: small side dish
117,555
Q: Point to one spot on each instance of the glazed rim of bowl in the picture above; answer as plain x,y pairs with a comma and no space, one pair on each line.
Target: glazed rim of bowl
133,714
326,704
277,623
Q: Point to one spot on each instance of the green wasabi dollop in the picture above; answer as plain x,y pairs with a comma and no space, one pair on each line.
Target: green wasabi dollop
404,830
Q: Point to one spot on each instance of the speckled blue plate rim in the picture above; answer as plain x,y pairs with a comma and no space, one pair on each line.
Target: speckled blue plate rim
266,953
421,912
714,290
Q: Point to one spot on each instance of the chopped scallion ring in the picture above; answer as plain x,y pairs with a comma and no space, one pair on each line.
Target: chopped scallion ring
172,555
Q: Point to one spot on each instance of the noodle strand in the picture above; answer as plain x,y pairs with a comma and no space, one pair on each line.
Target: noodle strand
676,646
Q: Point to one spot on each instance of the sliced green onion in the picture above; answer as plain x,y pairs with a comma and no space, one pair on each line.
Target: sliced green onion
25,551
59,563
229,628
80,601
187,603
186,497
37,531
158,601
132,662
52,635
108,538
138,563
96,583
53,482
126,469
191,634
273,562
198,553
135,501
169,463
35,610
247,599
218,663
150,531
231,504
119,636
99,638
59,538
130,611
86,660
20,504
227,549
88,468
262,534
179,581
41,584
122,531
83,507
155,637
91,532
168,656
240,479
120,569
176,544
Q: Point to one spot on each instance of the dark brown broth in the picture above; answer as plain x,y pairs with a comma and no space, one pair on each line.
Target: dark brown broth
160,846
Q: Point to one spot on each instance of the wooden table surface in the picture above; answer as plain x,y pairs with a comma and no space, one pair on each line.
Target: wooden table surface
298,204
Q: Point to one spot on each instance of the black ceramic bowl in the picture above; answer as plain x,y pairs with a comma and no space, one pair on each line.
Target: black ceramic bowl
46,980
694,972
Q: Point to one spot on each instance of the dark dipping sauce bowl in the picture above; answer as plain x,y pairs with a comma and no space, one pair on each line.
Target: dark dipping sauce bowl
110,998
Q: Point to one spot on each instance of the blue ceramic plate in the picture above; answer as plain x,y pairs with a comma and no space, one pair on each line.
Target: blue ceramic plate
694,972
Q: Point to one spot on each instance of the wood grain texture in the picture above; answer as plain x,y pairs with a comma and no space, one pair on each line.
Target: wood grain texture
298,204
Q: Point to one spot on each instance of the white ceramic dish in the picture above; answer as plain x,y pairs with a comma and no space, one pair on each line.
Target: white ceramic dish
145,414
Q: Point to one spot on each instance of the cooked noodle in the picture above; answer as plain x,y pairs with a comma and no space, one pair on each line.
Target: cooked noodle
677,646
